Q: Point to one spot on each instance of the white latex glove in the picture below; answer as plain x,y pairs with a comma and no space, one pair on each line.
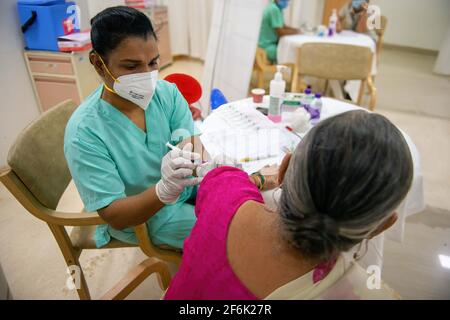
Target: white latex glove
216,162
176,172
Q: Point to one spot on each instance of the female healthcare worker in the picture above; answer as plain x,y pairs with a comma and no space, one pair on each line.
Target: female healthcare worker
115,142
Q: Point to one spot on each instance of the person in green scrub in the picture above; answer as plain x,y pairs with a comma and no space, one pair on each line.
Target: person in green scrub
115,143
273,28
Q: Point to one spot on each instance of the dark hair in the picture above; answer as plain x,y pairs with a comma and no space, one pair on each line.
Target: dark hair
344,181
113,25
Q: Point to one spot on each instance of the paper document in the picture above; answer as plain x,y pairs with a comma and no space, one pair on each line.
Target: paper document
246,136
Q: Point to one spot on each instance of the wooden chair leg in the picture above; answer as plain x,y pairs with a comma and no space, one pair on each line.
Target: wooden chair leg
327,86
373,94
295,76
260,79
361,93
164,278
136,276
71,257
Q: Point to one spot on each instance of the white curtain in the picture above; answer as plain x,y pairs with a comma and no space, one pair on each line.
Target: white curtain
190,22
199,25
231,48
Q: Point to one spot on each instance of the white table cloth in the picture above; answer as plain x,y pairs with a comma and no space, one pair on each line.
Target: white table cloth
288,45
413,203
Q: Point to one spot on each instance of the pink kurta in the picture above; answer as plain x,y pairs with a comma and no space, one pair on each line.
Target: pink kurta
205,273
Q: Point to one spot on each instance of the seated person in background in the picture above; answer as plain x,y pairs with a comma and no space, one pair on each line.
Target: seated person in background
273,28
340,187
354,17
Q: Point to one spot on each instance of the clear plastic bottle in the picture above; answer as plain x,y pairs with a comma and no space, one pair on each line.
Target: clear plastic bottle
332,24
318,103
316,109
277,89
307,99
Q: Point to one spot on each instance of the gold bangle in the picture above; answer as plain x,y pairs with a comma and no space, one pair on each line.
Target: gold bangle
261,180
256,180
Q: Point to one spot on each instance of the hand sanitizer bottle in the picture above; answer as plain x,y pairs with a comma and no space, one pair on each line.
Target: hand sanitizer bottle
332,25
277,89
316,109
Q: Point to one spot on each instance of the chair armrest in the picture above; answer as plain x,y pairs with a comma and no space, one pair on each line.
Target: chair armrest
73,218
35,207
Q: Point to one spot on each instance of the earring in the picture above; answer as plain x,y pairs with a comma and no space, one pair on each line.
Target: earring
357,255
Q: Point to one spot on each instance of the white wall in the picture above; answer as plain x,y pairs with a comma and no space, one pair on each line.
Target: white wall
231,49
18,105
95,6
416,23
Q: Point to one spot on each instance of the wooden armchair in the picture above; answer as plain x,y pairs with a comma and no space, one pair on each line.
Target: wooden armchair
336,62
38,176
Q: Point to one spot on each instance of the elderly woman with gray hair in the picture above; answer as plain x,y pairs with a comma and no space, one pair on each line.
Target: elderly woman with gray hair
340,188
353,16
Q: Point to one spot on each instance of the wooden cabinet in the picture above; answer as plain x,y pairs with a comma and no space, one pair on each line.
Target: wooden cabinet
160,21
58,76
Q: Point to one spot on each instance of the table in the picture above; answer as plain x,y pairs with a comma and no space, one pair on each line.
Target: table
413,203
288,45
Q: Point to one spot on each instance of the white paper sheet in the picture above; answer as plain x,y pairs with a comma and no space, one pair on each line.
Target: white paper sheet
246,134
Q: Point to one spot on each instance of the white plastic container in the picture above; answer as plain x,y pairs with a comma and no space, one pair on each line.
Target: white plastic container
277,89
316,109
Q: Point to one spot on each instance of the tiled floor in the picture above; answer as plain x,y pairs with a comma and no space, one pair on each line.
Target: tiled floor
405,83
35,269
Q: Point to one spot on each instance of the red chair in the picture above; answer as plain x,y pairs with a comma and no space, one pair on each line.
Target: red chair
191,90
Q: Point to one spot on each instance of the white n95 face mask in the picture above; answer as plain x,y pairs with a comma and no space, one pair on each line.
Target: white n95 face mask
138,88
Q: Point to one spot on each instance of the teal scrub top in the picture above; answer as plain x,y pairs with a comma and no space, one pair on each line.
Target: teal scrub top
272,19
111,158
